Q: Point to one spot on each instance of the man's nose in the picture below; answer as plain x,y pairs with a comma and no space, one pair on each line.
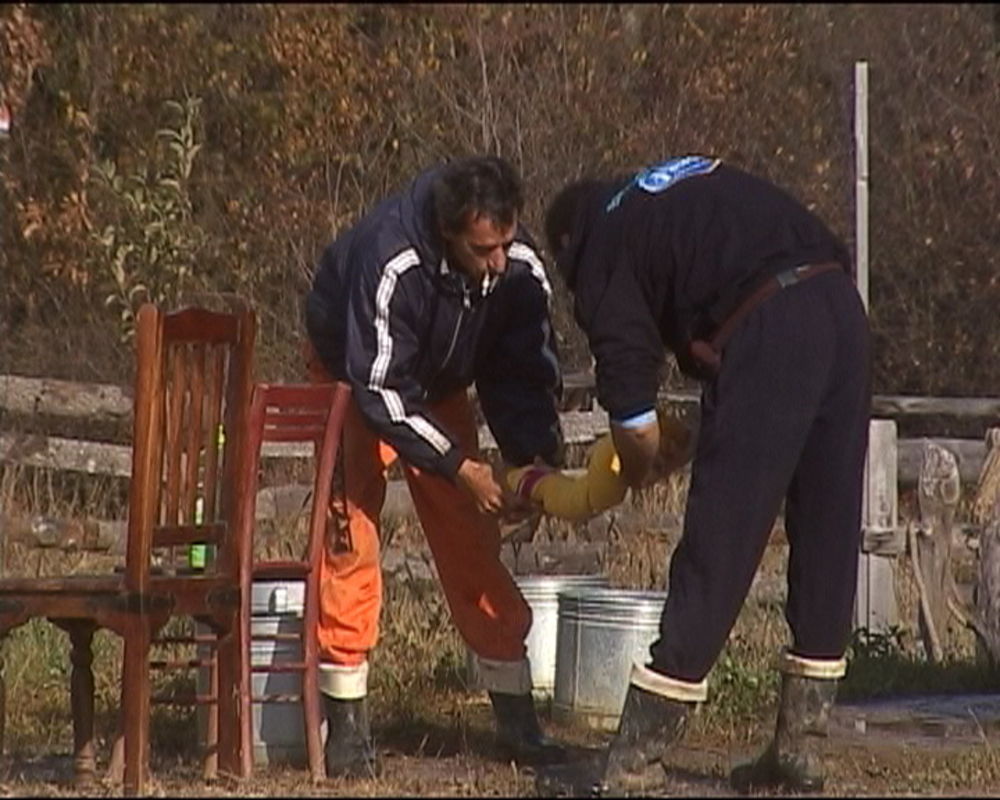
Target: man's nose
498,262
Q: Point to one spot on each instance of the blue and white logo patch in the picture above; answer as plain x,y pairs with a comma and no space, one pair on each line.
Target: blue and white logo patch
661,177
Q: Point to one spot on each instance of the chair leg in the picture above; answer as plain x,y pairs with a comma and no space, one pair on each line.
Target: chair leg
312,716
227,705
243,690
82,702
246,705
210,766
136,706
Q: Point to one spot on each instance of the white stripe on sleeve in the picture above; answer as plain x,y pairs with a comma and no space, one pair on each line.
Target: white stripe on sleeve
380,366
523,252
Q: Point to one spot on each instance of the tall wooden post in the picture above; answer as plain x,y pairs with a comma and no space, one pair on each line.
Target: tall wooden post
861,177
875,607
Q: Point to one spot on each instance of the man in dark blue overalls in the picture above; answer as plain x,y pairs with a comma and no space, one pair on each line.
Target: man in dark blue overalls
754,296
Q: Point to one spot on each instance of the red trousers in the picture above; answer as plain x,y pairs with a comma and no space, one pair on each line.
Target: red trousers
485,602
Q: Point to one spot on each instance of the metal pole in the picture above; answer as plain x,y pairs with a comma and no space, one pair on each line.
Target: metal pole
863,616
861,175
875,602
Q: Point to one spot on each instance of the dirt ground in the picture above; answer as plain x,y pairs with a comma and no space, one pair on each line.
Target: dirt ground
452,755
441,744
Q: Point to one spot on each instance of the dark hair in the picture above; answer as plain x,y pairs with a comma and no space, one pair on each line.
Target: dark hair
562,211
481,185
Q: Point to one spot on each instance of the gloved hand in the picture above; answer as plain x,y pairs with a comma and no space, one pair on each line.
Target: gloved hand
677,446
520,516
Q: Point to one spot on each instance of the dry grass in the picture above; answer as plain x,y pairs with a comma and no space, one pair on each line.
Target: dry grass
436,735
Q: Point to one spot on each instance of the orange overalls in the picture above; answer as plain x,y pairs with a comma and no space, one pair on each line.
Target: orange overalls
485,602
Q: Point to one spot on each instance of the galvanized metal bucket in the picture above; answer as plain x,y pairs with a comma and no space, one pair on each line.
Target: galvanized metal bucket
600,633
541,592
278,728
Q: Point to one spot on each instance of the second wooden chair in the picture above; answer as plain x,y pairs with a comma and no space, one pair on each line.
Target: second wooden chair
307,413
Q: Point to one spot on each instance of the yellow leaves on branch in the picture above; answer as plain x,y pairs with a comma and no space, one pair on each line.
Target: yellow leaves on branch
22,48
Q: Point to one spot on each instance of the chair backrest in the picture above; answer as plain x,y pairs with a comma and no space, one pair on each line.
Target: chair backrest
192,394
296,413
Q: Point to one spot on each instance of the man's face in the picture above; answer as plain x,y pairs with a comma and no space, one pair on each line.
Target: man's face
480,248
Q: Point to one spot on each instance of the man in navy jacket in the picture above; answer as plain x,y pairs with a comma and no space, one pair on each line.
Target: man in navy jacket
436,289
753,295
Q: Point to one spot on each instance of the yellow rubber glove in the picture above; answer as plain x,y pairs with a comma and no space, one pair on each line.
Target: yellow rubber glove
574,497
577,497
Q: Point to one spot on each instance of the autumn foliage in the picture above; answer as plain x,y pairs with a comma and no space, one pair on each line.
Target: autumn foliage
164,150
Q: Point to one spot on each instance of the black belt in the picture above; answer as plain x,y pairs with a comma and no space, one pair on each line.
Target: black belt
708,352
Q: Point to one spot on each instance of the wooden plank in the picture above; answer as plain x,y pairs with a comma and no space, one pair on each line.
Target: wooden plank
880,503
64,398
53,452
875,607
580,427
903,406
26,395
883,405
64,534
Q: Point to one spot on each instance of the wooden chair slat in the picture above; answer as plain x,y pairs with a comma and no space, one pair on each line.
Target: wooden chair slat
295,395
174,535
213,393
174,443
288,434
289,419
195,433
202,325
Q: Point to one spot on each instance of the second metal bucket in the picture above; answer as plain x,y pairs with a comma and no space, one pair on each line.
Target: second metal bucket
276,607
541,592
601,632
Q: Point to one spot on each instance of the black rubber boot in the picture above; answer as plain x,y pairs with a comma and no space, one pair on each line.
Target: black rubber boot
519,735
649,725
792,760
349,749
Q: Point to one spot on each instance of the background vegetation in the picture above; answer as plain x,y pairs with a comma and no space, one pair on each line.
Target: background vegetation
161,150
167,151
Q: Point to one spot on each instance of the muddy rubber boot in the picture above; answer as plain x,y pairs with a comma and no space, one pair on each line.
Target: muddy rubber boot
519,735
649,725
349,749
792,762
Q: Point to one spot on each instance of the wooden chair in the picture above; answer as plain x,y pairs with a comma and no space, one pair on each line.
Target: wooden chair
193,375
292,413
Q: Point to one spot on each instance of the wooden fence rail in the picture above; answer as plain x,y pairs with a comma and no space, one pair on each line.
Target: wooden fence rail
580,427
110,403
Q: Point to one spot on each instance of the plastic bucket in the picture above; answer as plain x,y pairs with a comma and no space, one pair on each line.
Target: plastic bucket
278,728
541,592
600,633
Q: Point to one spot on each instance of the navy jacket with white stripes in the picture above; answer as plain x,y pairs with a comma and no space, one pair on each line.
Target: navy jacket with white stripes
386,314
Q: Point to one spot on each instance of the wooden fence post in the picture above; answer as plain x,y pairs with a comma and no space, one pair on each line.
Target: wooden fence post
875,607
